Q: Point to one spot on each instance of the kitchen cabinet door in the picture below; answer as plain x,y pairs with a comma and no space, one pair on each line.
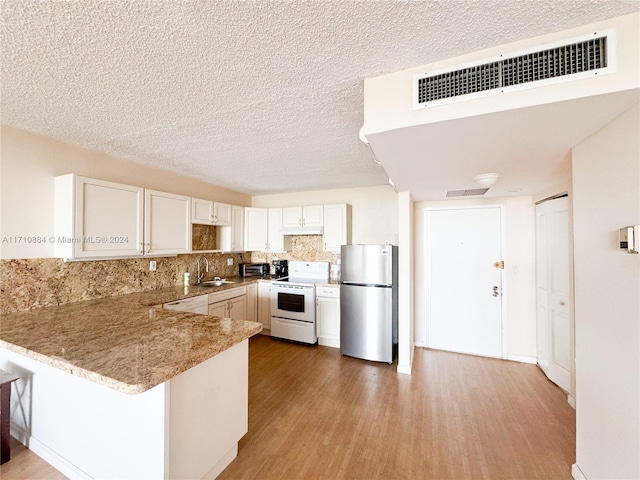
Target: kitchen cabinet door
264,306
219,309
167,223
201,211
310,216
328,316
337,227
238,308
231,238
276,240
94,218
292,217
313,216
252,302
221,214
256,229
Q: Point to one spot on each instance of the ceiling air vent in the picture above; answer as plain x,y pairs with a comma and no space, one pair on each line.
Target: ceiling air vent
571,60
467,193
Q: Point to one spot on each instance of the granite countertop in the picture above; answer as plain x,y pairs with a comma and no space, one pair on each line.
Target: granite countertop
126,342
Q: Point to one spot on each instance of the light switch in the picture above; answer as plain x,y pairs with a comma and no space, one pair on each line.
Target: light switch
152,266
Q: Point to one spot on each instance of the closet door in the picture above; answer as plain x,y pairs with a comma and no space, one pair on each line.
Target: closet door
553,280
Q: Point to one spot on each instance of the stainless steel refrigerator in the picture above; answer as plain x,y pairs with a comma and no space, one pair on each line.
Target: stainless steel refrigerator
369,302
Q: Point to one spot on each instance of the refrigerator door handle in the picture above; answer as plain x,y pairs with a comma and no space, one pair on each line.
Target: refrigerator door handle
366,285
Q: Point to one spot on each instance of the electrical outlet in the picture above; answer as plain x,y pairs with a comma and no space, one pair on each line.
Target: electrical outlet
229,261
152,266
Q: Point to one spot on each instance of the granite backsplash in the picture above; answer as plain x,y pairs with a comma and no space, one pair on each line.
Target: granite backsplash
26,284
33,283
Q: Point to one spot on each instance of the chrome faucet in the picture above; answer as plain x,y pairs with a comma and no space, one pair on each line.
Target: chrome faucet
206,268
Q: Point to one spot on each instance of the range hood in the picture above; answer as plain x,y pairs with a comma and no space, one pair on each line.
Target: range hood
302,230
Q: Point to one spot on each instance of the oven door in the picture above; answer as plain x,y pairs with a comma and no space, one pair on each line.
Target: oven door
295,302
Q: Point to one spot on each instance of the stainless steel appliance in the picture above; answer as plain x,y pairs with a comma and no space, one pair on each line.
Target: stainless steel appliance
369,302
293,302
280,268
253,269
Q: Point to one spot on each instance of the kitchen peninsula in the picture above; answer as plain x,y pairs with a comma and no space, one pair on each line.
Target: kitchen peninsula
120,388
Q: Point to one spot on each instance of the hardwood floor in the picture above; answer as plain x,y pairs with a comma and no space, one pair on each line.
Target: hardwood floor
315,414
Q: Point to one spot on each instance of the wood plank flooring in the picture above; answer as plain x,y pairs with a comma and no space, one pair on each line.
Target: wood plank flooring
316,415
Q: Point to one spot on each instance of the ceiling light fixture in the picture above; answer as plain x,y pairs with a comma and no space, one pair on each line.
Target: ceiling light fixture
487,179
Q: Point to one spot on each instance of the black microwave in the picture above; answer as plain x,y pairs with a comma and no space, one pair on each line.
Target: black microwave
253,269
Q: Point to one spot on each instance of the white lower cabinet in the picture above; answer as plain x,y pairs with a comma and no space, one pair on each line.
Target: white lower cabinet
328,316
252,302
264,306
230,303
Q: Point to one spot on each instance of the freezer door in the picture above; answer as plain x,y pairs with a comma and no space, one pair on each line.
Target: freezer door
367,264
366,322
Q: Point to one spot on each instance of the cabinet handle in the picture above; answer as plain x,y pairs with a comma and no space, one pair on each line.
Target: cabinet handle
317,303
142,248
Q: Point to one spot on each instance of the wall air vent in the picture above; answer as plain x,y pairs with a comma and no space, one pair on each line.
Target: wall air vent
467,193
570,60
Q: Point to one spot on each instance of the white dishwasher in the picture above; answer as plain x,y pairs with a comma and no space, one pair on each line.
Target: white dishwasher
199,304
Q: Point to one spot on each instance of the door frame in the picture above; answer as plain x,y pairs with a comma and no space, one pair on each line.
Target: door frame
503,277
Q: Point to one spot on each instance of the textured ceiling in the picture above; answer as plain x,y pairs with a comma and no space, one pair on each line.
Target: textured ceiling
257,96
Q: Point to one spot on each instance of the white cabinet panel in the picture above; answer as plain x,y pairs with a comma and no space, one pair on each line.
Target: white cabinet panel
201,211
337,227
256,228
276,239
328,316
262,230
94,218
310,216
221,214
252,302
313,216
264,306
167,225
231,238
292,217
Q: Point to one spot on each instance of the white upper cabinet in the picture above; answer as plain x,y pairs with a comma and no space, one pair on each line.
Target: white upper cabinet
94,218
222,213
208,212
231,238
337,227
310,216
262,230
167,223
256,229
276,239
201,211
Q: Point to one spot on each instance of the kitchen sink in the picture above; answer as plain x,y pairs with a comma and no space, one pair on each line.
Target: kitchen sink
214,283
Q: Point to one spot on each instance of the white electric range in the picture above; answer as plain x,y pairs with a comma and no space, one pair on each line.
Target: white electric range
293,302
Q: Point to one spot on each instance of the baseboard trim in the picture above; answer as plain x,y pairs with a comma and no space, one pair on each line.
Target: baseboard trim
420,344
571,401
576,473
45,453
522,359
224,462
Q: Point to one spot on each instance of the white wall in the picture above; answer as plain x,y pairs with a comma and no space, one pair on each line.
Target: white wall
374,210
406,269
519,282
29,162
606,197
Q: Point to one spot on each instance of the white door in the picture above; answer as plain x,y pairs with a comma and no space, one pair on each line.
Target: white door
464,287
553,298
